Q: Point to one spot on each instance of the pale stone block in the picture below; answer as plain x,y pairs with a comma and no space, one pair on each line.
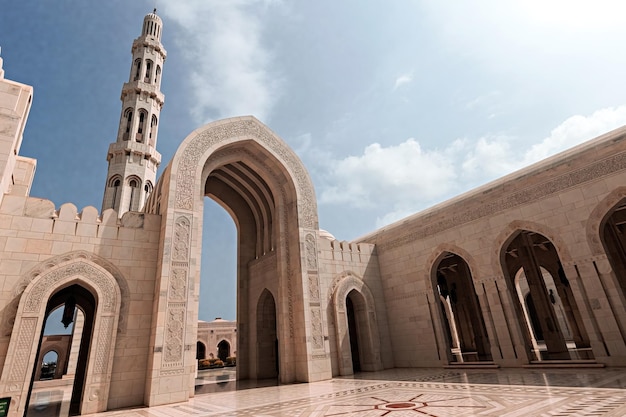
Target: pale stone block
13,205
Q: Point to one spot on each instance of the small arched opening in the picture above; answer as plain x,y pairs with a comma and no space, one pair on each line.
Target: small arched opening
223,350
267,337
200,350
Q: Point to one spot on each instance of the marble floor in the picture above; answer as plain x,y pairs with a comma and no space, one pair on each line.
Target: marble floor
414,392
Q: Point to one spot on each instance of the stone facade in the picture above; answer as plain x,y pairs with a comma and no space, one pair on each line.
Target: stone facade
216,339
529,270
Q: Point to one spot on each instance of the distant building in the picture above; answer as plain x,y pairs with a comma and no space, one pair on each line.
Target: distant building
529,270
216,339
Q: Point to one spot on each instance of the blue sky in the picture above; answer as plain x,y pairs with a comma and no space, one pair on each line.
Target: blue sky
393,105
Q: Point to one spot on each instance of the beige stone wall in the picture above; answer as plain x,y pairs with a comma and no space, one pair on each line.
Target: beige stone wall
563,198
213,332
341,261
33,234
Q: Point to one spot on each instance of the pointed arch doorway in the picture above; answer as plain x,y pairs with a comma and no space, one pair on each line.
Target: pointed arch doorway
462,316
96,293
543,300
69,299
261,183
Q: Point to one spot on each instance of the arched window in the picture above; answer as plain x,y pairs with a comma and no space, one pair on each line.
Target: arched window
49,365
148,188
137,68
157,74
128,116
134,194
153,125
141,127
148,71
115,183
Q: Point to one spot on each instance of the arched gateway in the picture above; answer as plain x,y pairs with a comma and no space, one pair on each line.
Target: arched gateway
260,181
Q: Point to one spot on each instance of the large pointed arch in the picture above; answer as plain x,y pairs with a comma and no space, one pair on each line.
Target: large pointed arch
263,185
451,274
534,254
512,230
31,314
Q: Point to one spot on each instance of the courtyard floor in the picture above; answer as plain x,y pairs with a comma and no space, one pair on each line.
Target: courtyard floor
410,392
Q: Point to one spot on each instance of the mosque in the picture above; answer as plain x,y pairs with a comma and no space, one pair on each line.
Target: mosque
526,271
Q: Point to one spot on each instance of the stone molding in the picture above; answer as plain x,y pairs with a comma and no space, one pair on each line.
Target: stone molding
596,220
10,311
194,147
459,213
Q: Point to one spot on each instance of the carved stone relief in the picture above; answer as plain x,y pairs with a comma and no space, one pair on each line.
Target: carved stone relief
11,310
174,328
182,234
311,252
21,356
78,268
316,327
250,128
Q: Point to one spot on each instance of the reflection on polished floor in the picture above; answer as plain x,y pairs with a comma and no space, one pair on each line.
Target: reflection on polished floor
414,392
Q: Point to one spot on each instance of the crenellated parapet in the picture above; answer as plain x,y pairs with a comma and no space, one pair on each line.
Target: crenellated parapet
39,215
346,251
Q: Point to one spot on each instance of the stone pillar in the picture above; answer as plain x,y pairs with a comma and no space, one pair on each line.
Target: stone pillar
510,333
318,346
606,333
77,335
555,343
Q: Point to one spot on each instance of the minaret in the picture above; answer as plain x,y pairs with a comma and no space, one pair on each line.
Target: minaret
133,158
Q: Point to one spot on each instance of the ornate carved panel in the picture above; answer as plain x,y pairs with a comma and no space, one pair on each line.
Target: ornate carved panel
317,333
103,348
174,334
182,238
19,364
311,252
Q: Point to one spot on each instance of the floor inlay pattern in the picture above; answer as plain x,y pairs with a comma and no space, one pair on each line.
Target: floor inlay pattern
404,397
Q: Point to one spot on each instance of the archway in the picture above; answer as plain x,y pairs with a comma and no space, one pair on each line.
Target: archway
613,238
70,298
223,350
48,365
463,319
354,324
357,338
536,279
96,293
261,183
266,337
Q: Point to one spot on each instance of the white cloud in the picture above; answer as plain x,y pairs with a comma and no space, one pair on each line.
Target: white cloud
393,175
403,79
402,179
229,68
576,130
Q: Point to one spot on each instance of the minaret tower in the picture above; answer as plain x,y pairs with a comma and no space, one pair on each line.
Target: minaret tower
133,158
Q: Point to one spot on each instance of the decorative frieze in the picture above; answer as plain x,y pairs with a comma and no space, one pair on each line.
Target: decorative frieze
246,127
459,213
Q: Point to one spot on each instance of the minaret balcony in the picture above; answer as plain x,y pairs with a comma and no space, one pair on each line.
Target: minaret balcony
149,42
136,148
139,87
